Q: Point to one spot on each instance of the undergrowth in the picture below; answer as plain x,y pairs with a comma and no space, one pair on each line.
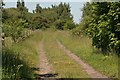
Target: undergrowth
19,59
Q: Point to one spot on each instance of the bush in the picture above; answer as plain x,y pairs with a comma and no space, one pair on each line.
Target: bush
13,66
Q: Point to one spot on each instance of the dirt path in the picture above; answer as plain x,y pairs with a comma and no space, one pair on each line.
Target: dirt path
91,71
45,69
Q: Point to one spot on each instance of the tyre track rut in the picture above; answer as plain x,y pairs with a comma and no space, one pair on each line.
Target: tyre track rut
90,70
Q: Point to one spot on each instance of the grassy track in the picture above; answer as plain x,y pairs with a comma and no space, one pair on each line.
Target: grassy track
62,64
82,47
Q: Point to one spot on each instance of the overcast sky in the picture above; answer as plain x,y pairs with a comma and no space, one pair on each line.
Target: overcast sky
76,5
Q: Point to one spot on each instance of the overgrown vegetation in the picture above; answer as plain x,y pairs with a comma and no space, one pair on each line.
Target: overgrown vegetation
82,47
18,24
16,20
100,22
13,66
19,59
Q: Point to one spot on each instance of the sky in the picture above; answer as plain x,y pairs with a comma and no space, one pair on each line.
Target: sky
76,6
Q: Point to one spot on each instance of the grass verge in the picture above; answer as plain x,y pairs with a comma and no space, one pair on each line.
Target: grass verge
19,59
82,47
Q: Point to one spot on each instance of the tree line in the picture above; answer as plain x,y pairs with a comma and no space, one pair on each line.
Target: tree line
100,21
17,20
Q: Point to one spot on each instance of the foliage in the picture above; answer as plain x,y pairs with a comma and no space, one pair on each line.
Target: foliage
81,46
19,59
18,23
69,25
15,29
13,66
38,9
42,18
57,15
100,21
77,31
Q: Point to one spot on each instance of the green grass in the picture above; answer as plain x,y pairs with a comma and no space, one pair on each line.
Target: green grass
82,47
29,48
19,59
62,64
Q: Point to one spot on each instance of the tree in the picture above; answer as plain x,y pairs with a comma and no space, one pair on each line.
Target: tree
18,3
38,8
21,7
69,25
100,22
23,3
1,4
